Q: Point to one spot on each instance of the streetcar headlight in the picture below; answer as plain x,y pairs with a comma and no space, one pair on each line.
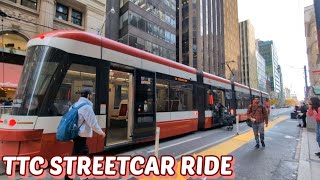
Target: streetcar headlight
12,122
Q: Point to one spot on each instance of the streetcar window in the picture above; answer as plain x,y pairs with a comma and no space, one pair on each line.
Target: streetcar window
180,96
210,99
243,100
77,77
239,96
40,65
162,95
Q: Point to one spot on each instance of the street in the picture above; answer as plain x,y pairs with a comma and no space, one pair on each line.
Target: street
277,161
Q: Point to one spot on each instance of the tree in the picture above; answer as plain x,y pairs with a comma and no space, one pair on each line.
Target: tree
274,102
292,102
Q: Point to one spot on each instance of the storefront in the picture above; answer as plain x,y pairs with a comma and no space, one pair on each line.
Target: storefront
12,53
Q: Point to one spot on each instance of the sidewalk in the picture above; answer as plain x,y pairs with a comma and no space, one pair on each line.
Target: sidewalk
309,163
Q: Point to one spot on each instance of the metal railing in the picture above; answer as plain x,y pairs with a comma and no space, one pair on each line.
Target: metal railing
5,109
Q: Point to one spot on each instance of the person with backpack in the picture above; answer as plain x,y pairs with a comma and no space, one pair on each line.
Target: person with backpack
314,110
258,114
86,122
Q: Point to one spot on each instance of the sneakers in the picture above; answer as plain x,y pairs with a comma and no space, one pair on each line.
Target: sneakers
257,146
318,154
263,145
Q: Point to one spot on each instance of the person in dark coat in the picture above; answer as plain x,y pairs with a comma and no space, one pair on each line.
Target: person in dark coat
304,111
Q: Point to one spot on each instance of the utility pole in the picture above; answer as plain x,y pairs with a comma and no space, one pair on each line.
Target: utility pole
305,79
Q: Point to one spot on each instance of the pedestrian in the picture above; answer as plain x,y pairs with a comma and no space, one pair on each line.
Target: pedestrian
268,107
314,110
304,111
258,114
86,123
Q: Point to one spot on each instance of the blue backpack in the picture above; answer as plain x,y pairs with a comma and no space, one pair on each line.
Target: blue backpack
68,128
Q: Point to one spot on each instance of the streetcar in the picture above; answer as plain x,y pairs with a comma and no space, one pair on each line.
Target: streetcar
134,92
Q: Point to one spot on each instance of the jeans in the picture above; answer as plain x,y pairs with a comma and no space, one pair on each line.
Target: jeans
80,148
318,133
258,128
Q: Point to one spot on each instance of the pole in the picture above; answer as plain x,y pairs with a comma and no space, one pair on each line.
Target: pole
237,123
305,79
230,69
156,147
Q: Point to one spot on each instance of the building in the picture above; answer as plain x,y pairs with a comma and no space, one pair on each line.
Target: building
231,38
268,51
268,85
312,45
261,70
146,25
287,93
281,95
248,63
316,12
31,17
200,35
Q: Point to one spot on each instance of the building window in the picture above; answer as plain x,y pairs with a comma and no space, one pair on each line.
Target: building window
133,19
76,17
29,3
13,1
124,20
62,12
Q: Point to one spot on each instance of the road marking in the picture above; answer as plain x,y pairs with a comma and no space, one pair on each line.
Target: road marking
208,145
226,147
165,147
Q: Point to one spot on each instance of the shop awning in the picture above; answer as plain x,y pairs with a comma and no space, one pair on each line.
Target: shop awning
10,75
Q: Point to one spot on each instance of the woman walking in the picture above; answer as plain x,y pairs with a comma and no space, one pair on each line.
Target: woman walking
314,110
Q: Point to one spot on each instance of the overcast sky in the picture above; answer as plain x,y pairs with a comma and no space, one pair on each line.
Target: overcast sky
283,22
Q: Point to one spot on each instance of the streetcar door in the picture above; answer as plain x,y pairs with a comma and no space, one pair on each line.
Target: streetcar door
144,106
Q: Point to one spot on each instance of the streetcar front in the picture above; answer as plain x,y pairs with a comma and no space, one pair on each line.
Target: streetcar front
48,87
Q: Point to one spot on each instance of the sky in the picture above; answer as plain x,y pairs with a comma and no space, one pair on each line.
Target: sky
283,22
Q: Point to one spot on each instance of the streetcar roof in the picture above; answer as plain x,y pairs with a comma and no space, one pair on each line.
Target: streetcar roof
96,40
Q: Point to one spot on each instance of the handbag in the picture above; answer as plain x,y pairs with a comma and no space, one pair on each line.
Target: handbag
249,122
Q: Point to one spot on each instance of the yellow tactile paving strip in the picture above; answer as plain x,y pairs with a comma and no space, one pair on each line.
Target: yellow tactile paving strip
224,148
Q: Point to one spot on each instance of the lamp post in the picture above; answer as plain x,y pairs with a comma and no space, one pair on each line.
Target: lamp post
227,63
112,11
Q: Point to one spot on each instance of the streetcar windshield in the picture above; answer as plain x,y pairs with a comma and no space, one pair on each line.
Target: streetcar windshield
40,65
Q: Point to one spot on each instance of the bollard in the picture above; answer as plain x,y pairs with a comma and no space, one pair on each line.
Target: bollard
237,124
156,146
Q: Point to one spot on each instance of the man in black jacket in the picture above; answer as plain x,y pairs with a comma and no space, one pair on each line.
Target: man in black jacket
304,110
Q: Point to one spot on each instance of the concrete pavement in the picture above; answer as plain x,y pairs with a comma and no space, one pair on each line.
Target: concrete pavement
309,163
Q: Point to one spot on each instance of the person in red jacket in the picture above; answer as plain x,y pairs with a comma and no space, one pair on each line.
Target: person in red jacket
314,110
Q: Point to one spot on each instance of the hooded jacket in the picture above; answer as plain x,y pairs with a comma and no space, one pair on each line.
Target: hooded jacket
87,119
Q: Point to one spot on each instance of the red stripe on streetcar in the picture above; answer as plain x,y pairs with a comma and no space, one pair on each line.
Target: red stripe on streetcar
116,46
216,78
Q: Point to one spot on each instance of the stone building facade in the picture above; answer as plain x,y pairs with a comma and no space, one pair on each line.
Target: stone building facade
27,18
